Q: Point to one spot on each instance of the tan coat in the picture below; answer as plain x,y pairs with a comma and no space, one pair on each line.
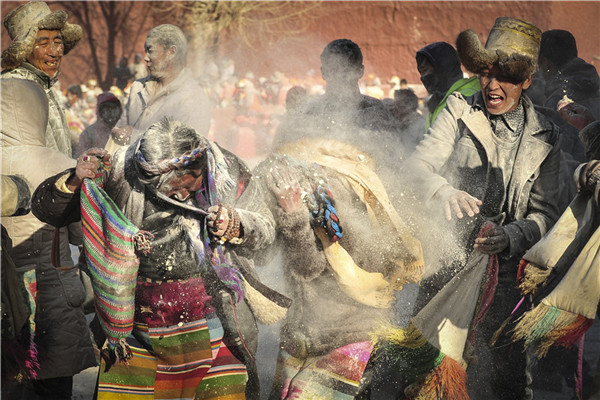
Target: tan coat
65,347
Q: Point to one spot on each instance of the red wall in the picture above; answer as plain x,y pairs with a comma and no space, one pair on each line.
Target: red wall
389,33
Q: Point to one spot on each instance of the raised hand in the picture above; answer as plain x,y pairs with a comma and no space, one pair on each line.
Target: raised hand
456,201
283,182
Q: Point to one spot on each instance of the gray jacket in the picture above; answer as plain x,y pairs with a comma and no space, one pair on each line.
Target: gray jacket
183,99
460,150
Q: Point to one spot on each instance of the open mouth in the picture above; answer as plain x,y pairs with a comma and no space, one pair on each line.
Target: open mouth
494,99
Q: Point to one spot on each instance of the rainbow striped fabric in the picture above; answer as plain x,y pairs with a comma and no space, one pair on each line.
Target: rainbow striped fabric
187,361
335,375
109,239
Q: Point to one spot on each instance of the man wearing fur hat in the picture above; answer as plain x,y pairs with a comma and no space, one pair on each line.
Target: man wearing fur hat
491,157
36,144
40,39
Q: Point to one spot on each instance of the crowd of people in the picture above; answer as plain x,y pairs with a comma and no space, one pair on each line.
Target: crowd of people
483,190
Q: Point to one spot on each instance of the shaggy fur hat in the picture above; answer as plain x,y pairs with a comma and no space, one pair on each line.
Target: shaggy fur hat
23,24
512,44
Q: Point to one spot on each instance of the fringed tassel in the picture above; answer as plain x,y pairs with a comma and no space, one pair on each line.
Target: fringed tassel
499,331
435,375
410,272
531,277
447,381
579,374
32,364
545,326
122,351
22,358
408,337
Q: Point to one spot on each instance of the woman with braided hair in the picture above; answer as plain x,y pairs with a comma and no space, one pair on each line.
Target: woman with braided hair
191,333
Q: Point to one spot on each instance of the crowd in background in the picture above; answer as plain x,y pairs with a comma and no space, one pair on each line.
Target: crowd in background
245,110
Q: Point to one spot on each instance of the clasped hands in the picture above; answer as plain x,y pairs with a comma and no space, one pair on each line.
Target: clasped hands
457,202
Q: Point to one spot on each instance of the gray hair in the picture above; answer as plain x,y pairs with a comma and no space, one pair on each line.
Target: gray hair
168,138
168,35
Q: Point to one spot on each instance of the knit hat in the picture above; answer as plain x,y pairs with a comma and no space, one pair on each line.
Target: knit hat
512,44
23,24
106,97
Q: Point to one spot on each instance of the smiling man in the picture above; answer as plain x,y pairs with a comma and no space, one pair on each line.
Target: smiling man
40,39
36,144
492,157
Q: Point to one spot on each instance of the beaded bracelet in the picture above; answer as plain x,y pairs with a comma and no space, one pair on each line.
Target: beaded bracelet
233,227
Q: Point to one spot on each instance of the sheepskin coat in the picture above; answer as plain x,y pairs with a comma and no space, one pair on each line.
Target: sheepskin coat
58,135
322,317
460,150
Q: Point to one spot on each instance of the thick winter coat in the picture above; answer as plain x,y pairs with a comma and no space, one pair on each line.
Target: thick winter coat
183,100
460,150
131,196
324,316
61,331
58,135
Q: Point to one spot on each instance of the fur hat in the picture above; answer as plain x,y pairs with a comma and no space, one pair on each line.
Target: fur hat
23,24
512,44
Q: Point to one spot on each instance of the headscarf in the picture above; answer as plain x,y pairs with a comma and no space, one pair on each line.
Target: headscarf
215,171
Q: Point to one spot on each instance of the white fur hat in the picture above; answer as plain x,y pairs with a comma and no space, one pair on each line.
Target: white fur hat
23,24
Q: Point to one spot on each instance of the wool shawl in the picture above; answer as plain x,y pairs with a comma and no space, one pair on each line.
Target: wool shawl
109,240
562,271
358,169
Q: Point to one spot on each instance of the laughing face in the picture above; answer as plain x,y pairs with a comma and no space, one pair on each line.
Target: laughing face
500,93
48,50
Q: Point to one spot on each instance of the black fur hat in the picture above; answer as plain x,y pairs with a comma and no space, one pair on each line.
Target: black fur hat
512,44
